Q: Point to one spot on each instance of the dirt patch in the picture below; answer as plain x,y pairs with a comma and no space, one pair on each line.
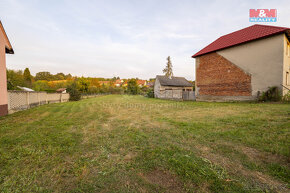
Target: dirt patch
163,179
266,157
129,156
237,168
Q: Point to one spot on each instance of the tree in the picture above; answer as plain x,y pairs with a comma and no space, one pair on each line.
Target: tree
40,85
14,79
27,77
115,78
74,93
68,76
59,76
95,82
84,84
132,87
168,69
43,76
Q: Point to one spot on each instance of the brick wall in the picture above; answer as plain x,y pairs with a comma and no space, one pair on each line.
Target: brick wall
3,110
217,76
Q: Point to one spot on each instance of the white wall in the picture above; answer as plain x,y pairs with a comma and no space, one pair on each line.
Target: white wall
286,67
156,88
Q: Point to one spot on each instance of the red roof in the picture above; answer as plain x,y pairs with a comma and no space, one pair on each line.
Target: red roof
248,34
141,82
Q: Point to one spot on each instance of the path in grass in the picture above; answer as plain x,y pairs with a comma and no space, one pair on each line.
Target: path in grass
136,144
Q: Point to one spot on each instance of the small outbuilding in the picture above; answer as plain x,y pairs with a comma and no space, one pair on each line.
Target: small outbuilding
173,88
25,89
61,90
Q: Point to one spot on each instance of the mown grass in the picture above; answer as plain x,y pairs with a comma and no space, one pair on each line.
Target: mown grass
135,144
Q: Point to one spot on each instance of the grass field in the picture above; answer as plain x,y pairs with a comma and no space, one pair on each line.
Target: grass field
135,144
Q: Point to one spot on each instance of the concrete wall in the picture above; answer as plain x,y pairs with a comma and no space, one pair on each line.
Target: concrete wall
21,100
286,66
3,84
157,88
262,59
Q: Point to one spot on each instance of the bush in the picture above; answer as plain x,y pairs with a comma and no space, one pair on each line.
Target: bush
40,85
286,97
93,90
116,90
74,93
272,94
133,87
150,93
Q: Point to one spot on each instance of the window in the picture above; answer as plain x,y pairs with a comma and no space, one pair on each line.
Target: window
287,78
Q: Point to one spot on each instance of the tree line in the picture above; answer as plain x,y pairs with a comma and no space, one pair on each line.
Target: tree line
46,81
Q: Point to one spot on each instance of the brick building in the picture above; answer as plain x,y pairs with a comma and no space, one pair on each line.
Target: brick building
239,65
5,48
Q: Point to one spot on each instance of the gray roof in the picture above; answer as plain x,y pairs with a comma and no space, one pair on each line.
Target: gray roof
174,81
25,89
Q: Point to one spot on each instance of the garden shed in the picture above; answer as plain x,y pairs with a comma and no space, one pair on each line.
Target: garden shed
173,88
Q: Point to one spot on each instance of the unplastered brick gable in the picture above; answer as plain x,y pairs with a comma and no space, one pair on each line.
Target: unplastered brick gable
217,76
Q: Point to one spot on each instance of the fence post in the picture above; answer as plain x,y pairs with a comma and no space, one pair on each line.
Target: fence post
27,100
38,99
9,103
60,97
46,102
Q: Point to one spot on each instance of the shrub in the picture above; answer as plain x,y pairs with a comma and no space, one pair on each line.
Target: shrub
133,87
93,90
40,85
116,90
74,93
272,94
150,93
286,97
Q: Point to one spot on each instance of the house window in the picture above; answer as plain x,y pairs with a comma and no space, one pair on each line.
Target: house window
287,78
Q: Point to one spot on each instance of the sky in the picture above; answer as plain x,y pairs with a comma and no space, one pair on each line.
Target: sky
128,38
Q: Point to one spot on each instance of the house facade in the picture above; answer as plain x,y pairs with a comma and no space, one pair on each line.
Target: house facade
5,48
142,83
171,88
243,64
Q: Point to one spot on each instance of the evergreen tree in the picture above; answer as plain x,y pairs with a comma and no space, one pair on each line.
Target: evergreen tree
168,69
27,77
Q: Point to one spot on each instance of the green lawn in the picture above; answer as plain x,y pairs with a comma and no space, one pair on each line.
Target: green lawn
135,144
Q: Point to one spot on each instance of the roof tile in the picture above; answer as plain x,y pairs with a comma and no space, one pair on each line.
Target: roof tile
251,33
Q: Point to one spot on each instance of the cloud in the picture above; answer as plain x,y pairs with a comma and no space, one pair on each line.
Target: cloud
113,38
